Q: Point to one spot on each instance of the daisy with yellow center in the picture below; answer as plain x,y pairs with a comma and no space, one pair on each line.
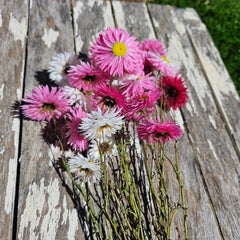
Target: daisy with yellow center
116,52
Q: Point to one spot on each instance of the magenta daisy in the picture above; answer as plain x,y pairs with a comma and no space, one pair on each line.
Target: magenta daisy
45,104
116,52
175,93
136,85
86,76
156,131
107,97
77,140
142,105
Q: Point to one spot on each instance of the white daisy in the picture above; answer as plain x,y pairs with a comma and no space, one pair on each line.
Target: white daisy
59,66
108,147
77,98
84,168
101,126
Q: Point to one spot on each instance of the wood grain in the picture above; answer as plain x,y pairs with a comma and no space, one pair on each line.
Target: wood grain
13,30
213,147
46,210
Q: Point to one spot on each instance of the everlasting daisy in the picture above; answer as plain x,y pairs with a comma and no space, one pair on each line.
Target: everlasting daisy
85,76
107,97
77,140
156,131
84,168
142,105
116,52
101,126
137,85
108,148
77,98
154,46
155,57
59,66
45,104
175,93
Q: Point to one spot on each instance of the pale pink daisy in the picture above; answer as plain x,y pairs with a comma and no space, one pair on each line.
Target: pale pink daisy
77,140
107,97
161,63
155,57
175,92
85,76
142,105
136,85
156,131
116,52
45,104
154,46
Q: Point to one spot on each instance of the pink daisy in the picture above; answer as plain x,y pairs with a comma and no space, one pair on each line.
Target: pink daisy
86,76
107,97
116,52
77,140
142,105
154,46
155,57
156,131
175,93
135,85
45,104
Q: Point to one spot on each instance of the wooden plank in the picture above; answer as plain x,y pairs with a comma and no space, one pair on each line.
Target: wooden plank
200,220
90,18
215,154
13,29
46,210
225,94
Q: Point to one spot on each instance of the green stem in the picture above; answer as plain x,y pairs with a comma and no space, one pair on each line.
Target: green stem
181,191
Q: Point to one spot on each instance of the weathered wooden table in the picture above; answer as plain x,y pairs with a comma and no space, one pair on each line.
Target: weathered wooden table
34,204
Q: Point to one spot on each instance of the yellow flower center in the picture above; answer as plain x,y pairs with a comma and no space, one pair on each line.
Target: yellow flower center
165,59
119,49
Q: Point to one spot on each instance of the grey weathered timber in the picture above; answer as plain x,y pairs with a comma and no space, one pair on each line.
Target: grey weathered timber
196,198
208,151
215,153
13,30
46,210
222,87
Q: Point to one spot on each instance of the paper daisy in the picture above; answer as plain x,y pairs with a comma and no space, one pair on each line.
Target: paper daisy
101,126
59,66
156,131
86,76
115,52
107,148
154,46
107,97
175,93
45,104
77,98
154,54
77,140
136,85
142,105
84,168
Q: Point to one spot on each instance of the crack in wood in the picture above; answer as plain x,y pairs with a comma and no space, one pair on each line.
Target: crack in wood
201,174
220,110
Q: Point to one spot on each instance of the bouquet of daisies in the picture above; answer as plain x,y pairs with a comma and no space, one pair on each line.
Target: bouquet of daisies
91,101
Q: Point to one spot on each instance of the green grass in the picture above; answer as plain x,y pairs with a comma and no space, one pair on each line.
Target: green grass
222,18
